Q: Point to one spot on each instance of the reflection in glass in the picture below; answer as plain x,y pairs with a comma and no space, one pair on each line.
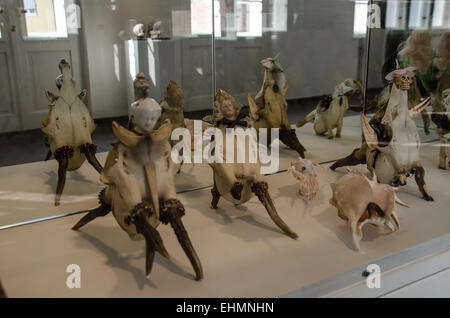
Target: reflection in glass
45,18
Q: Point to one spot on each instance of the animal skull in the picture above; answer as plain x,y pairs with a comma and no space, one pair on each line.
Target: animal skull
303,170
141,191
362,201
68,127
238,182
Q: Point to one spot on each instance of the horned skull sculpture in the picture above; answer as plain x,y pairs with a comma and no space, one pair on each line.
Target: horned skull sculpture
68,127
362,201
442,121
270,107
329,113
140,185
238,182
392,142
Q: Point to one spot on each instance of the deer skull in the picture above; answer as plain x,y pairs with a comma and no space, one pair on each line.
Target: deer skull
140,185
238,182
68,127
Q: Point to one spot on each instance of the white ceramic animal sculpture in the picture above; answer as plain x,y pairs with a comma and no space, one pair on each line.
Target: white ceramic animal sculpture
391,147
68,127
361,201
239,182
304,171
329,113
140,185
442,121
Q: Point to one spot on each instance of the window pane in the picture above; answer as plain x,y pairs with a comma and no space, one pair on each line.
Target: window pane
45,18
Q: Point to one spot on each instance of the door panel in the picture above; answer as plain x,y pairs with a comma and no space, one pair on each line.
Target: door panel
37,52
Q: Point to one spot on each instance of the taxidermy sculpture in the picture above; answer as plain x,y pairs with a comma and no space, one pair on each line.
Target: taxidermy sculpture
442,121
329,113
361,201
270,107
238,182
391,147
140,188
303,170
68,127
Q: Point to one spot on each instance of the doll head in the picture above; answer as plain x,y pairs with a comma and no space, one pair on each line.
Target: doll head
144,115
226,105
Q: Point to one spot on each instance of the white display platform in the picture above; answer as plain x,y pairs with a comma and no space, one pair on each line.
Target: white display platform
242,252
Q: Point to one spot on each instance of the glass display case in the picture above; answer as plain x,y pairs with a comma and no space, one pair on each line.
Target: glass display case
358,88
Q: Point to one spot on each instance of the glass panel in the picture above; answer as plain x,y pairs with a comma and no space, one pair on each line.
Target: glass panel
164,40
45,18
418,45
319,45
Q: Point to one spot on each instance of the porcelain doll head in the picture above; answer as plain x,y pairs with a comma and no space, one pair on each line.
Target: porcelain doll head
144,115
226,105
402,78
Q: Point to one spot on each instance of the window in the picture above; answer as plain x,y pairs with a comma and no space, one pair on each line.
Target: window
360,18
30,6
441,14
419,14
249,18
46,18
201,18
396,14
276,18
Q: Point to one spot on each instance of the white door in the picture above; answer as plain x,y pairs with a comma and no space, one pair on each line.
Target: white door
38,35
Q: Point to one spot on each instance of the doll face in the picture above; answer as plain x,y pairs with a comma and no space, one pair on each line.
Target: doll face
228,110
145,115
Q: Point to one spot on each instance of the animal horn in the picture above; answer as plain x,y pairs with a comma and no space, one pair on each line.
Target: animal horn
394,217
172,212
369,133
253,108
163,133
153,240
262,191
416,110
128,138
400,202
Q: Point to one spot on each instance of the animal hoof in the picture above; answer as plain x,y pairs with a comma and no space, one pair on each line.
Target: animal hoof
338,135
236,191
429,198
330,137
